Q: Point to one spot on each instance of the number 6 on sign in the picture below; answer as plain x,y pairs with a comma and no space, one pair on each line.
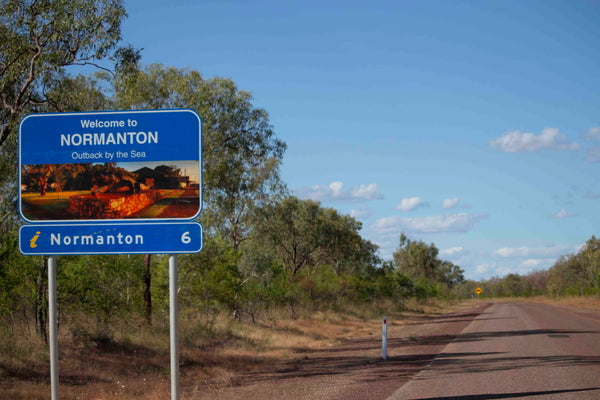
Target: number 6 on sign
185,238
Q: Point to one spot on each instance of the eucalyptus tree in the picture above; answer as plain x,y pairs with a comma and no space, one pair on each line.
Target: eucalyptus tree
241,154
40,38
306,235
293,228
417,259
451,274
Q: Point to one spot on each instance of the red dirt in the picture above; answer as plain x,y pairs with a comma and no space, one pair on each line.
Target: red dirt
185,206
354,370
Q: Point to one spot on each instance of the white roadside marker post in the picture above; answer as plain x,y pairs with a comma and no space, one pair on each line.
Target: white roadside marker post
384,339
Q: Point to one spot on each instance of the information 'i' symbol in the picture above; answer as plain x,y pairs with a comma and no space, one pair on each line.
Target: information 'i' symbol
32,241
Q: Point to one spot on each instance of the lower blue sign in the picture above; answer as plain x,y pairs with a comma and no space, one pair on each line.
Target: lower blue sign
143,238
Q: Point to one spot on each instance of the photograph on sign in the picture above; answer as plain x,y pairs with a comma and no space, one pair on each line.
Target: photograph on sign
142,165
110,191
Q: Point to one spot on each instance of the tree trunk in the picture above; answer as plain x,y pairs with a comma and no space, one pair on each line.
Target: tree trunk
234,238
43,185
44,180
148,289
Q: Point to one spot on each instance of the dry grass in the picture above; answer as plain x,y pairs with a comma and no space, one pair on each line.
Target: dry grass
131,360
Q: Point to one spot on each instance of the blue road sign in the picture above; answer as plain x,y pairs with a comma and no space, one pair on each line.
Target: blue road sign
110,166
134,238
117,136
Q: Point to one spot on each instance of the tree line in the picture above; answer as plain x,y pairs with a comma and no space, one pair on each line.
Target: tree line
576,274
264,248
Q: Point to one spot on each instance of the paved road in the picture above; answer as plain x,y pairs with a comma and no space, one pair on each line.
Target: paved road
516,351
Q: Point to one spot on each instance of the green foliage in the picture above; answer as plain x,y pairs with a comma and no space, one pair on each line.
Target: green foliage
9,217
322,286
79,93
39,38
421,273
572,274
304,234
242,158
17,278
416,259
88,284
291,227
241,152
577,273
263,250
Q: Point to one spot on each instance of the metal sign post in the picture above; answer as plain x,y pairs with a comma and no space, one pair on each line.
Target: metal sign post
173,326
53,339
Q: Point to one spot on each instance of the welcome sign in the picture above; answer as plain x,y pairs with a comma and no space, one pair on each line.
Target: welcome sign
110,166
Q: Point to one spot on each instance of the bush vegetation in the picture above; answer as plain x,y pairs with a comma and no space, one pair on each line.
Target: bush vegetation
266,251
571,275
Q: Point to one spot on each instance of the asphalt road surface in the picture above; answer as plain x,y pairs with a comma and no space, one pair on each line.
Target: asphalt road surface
516,351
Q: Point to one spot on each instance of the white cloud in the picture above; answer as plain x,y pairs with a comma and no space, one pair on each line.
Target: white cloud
457,223
363,212
512,252
410,203
519,142
336,188
488,269
590,195
538,262
593,133
461,222
524,251
366,192
593,154
388,226
562,214
504,270
450,203
335,192
454,252
482,269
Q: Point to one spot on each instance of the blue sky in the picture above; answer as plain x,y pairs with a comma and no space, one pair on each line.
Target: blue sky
471,125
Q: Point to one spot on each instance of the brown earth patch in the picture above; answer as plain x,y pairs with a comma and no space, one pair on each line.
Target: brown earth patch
326,356
352,370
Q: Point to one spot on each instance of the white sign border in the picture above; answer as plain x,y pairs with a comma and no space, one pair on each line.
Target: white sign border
119,220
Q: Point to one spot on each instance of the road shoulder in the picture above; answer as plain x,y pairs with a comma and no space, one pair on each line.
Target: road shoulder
353,370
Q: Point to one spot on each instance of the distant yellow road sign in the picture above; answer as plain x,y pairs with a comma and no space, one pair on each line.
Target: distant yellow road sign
478,290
